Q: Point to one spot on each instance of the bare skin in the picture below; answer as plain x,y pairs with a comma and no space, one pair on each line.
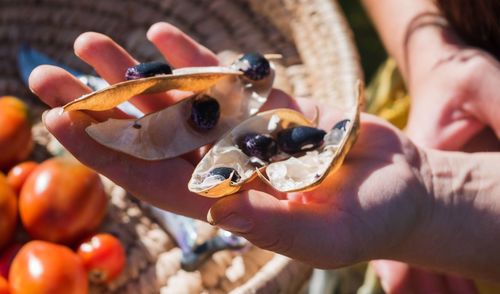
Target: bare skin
349,218
452,86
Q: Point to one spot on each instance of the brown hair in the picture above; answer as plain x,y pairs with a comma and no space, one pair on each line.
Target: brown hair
476,21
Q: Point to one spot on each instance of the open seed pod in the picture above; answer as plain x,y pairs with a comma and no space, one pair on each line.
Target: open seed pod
223,97
304,157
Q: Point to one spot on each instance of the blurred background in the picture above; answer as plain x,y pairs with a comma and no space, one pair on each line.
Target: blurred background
369,45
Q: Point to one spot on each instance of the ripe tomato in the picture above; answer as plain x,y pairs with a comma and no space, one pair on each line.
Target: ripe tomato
16,141
45,268
19,173
7,257
8,212
62,201
4,286
103,257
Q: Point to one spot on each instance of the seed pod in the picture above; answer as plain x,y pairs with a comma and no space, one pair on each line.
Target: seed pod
177,129
227,153
147,69
299,171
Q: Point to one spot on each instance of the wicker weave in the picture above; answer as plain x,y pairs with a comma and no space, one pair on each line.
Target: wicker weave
320,62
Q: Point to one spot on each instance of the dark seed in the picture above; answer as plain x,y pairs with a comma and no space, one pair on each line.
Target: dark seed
147,69
342,125
254,66
257,145
299,139
225,173
205,113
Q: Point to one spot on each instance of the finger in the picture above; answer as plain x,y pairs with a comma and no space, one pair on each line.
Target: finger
55,86
111,62
178,48
394,276
162,183
289,228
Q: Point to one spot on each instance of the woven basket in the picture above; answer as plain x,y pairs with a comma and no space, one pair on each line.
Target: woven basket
319,62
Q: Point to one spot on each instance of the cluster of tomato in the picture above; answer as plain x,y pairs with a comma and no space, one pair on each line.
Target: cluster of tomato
59,204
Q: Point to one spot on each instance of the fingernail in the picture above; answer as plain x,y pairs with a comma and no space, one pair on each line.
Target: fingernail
232,222
44,114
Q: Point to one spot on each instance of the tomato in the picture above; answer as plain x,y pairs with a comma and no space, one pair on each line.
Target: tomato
62,201
7,257
4,286
16,141
19,173
45,268
8,212
103,256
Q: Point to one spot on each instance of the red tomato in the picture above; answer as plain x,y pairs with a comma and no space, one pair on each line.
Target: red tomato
103,256
19,173
8,212
4,286
46,268
7,257
62,201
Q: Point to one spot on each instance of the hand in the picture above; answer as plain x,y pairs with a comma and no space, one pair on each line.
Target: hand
157,182
453,89
367,209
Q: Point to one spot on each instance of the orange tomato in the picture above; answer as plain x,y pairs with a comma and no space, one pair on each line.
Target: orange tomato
8,212
4,286
62,201
16,141
19,173
103,256
45,268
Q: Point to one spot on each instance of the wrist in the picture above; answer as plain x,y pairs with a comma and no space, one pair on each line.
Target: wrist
429,41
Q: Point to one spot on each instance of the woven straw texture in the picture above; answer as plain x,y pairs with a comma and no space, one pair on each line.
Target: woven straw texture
319,62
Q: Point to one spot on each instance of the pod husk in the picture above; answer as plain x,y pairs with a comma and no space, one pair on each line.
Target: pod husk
195,79
168,133
259,123
340,150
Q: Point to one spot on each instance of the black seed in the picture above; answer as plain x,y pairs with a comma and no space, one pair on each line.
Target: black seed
342,125
299,139
136,125
257,145
225,173
147,69
254,66
205,113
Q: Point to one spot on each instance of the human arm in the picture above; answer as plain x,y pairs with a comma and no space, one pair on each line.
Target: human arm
452,84
389,200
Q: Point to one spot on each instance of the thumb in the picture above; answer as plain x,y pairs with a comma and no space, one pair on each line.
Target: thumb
300,231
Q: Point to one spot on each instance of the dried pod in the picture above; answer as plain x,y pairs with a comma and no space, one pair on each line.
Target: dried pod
181,127
226,152
147,69
306,157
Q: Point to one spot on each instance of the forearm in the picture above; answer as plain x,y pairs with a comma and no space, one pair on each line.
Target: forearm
461,228
412,31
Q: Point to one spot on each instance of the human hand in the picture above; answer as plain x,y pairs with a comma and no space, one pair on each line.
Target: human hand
453,88
354,215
